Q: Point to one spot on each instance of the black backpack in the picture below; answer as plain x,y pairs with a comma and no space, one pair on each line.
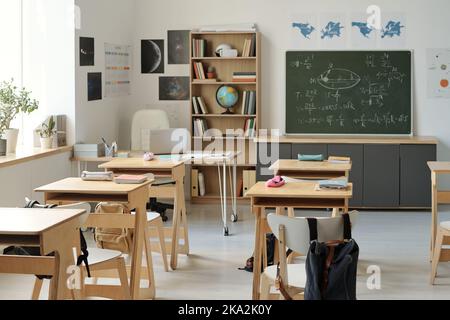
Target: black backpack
331,267
35,251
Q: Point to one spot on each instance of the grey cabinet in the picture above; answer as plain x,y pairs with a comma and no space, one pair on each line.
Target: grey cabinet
267,155
415,176
381,175
309,148
356,153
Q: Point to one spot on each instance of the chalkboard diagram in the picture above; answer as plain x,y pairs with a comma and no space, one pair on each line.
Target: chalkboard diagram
348,92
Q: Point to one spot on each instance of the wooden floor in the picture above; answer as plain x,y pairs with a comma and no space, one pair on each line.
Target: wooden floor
397,242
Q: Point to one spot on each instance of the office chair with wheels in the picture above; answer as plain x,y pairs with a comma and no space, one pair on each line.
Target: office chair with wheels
144,122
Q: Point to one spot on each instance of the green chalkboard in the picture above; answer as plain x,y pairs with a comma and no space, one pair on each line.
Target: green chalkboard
348,92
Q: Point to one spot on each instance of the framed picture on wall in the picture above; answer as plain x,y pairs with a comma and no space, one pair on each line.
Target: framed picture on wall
87,51
173,88
94,84
178,46
152,56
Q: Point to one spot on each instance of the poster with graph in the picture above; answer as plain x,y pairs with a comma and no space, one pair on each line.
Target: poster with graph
117,70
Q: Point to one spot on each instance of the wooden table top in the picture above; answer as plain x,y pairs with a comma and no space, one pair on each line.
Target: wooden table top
296,165
139,163
76,185
21,221
298,190
439,166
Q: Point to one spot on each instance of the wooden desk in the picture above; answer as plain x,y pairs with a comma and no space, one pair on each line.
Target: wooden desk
296,195
310,169
54,230
135,196
438,197
173,169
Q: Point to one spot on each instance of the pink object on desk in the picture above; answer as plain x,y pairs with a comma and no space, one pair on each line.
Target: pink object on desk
149,156
275,182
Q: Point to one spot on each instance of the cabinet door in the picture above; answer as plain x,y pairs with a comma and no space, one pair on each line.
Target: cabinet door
268,154
308,148
381,175
356,153
415,176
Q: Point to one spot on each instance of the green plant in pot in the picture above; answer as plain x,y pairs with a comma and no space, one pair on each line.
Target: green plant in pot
12,102
47,133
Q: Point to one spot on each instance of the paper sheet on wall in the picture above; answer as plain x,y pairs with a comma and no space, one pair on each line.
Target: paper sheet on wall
438,63
117,70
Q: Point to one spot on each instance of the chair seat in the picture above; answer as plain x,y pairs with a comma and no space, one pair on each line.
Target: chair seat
98,255
445,225
296,274
150,215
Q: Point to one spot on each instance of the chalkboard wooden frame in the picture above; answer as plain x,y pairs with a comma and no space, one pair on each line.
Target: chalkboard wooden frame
409,125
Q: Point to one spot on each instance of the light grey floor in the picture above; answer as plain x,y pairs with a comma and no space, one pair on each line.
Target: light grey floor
396,241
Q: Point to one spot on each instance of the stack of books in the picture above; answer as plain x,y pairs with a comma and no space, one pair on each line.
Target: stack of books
198,48
249,128
249,47
199,105
200,127
199,71
343,160
249,103
244,76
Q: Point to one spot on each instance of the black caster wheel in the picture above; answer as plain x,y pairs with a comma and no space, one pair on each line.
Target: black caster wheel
165,218
234,218
226,232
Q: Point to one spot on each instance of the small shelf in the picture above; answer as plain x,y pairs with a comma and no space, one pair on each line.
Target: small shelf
223,115
222,83
223,58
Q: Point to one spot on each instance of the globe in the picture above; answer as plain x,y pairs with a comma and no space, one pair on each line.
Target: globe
227,97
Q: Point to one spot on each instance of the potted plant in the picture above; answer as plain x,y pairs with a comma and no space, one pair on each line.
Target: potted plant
12,102
47,133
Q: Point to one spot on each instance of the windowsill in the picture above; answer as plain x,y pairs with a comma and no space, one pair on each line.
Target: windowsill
28,154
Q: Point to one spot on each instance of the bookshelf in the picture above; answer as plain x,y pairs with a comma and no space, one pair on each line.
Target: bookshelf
214,118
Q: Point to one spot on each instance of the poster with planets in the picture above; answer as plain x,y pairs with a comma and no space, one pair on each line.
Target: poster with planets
87,51
178,46
438,73
173,88
152,56
117,70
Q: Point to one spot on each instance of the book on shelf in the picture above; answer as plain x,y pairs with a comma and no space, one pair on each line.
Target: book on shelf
195,105
199,71
249,128
244,76
249,49
249,103
343,160
200,127
198,48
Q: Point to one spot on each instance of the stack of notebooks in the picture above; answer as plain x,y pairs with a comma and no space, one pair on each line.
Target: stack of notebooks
200,127
249,128
249,47
343,160
198,48
333,184
244,76
249,103
130,179
199,105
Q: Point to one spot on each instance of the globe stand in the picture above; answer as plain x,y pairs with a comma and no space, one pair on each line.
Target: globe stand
228,112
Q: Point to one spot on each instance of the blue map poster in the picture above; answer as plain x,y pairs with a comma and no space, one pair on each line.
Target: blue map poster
304,31
333,30
393,31
362,35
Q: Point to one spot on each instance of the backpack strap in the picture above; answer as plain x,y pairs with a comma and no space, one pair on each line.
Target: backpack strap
347,227
83,258
312,223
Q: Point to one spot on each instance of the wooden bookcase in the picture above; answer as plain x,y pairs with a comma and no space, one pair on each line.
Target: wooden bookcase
215,119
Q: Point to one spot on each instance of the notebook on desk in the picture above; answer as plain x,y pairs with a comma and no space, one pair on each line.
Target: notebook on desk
130,179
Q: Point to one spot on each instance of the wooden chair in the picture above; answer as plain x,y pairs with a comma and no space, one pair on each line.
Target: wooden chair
293,233
99,260
438,255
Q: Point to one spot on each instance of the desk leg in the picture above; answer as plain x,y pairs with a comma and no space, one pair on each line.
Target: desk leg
434,212
257,255
138,200
177,216
184,219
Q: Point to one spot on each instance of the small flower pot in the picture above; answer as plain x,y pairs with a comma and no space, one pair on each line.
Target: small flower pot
47,143
11,136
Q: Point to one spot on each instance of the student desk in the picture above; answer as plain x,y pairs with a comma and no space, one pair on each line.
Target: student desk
438,197
295,195
173,169
53,230
310,169
135,196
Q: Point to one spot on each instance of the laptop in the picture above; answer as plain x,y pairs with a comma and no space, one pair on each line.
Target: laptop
165,141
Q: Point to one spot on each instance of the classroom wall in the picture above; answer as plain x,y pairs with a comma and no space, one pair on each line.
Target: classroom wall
427,24
108,21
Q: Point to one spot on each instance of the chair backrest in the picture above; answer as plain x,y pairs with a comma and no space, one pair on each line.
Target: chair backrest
297,230
81,205
143,122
